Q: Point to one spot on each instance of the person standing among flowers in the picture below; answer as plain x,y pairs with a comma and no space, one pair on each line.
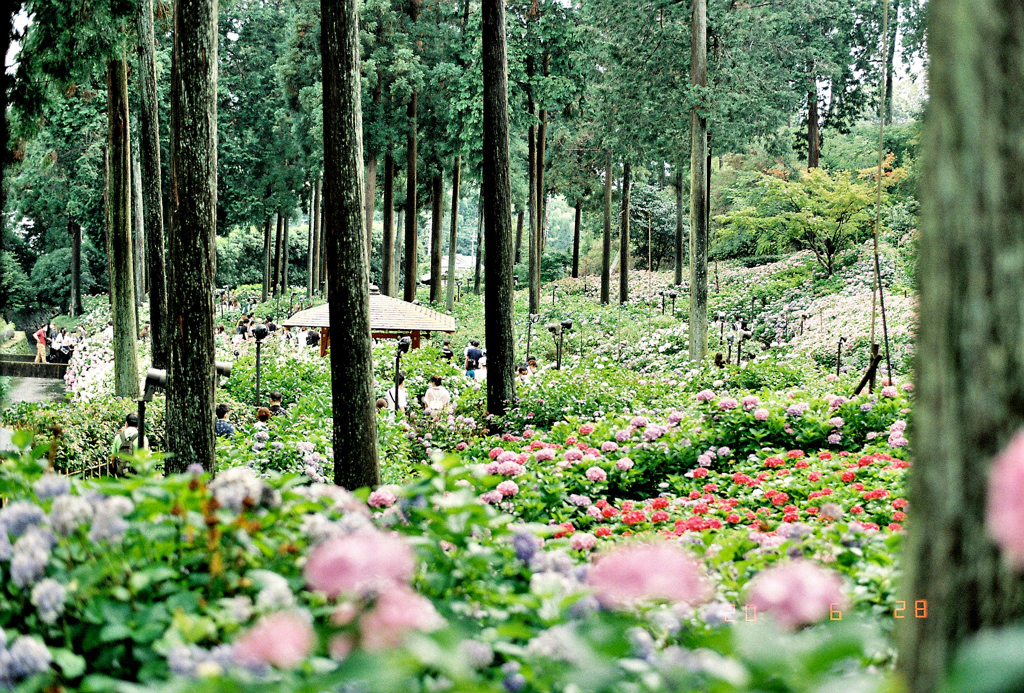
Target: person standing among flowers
437,398
473,356
224,428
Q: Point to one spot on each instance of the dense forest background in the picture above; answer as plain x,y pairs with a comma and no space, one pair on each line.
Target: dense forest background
792,86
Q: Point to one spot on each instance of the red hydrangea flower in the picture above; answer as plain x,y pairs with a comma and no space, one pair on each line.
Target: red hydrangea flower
700,473
844,453
857,486
732,518
795,454
895,527
824,455
609,512
849,476
634,517
865,461
659,503
802,464
627,506
790,517
899,515
564,529
601,503
602,532
812,510
774,461
701,509
856,510
694,495
713,523
739,478
660,516
779,499
708,488
899,503
814,476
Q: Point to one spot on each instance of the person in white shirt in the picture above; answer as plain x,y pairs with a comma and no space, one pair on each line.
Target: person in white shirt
403,395
437,398
481,368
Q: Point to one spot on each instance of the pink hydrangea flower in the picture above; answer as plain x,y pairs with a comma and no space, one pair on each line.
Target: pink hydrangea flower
582,541
508,488
761,414
907,387
522,458
648,571
638,421
383,497
596,474
574,455
528,433
1004,514
727,404
396,613
751,401
586,429
623,435
609,446
889,391
704,460
509,469
836,421
594,512
675,417
507,456
831,377
461,446
624,464
653,432
544,455
797,593
359,563
835,439
282,639
705,395
491,497
493,454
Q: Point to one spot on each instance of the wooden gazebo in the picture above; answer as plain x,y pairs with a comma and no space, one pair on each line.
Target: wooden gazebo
390,318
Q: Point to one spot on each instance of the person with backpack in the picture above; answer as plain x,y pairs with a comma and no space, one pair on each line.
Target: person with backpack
126,442
446,352
473,356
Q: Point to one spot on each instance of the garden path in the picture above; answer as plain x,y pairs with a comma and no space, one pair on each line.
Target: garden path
35,390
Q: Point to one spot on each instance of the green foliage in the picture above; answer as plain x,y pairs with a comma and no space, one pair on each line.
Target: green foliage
50,278
822,212
15,290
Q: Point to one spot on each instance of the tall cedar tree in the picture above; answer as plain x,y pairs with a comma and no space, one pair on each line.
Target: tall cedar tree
388,283
119,233
453,232
497,199
698,190
436,240
191,379
606,240
268,230
970,370
627,169
348,282
679,226
577,220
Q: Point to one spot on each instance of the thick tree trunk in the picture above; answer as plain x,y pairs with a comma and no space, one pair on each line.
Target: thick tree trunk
479,244
606,243
698,191
369,198
388,281
970,365
268,230
152,185
813,138
119,233
542,207
497,199
679,226
352,394
191,379
277,254
138,238
75,229
627,170
533,274
576,239
411,216
519,237
317,234
453,232
436,237
284,254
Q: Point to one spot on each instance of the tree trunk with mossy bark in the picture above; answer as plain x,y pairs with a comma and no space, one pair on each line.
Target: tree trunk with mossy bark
606,239
436,238
624,236
970,365
152,185
119,233
698,190
497,202
453,233
388,281
191,379
352,392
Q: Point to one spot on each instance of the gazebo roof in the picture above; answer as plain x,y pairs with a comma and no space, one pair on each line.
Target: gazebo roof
387,314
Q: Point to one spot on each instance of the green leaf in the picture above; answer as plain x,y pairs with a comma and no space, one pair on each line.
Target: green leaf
114,631
71,665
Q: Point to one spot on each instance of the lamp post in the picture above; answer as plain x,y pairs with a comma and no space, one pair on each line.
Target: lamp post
558,331
260,332
403,347
721,325
553,287
672,295
458,283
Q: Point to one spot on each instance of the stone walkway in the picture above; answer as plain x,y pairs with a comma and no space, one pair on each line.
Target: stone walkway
35,390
